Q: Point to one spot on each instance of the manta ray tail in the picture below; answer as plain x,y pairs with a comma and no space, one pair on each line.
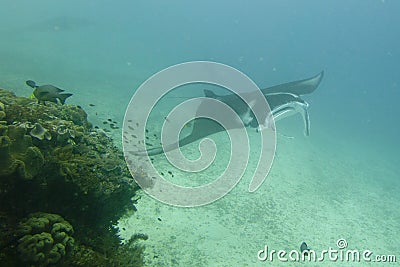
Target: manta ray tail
159,150
202,128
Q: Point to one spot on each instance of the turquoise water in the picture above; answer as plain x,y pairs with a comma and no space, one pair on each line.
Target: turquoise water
340,182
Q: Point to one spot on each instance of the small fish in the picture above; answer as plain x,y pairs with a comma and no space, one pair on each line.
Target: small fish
105,122
148,144
134,136
130,127
96,127
47,92
109,120
129,120
304,247
92,105
147,131
137,124
169,172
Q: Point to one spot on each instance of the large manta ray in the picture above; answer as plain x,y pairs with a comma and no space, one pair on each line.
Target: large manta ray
284,100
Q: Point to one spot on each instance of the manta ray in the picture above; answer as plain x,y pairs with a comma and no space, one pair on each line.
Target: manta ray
284,100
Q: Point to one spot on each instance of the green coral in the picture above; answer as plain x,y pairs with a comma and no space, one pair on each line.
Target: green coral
45,238
21,109
78,172
39,132
2,111
77,154
17,153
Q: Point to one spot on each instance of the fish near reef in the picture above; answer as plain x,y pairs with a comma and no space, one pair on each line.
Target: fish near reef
48,92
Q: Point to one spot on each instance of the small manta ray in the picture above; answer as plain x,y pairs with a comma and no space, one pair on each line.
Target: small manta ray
47,92
284,100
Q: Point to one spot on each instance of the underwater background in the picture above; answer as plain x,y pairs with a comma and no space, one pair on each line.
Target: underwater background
341,182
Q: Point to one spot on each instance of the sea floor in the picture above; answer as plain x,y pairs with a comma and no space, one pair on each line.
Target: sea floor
318,191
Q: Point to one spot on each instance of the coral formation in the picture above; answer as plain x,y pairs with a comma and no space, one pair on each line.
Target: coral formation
39,132
52,160
17,153
45,238
2,112
77,153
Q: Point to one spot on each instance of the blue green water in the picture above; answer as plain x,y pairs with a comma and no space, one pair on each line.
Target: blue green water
101,51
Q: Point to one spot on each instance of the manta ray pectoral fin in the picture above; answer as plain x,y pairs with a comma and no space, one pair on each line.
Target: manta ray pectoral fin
300,87
291,108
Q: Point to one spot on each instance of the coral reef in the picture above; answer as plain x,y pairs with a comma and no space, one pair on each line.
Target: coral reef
17,153
45,238
2,113
39,132
53,161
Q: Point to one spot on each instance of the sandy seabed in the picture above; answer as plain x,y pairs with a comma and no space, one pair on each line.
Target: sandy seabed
317,192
